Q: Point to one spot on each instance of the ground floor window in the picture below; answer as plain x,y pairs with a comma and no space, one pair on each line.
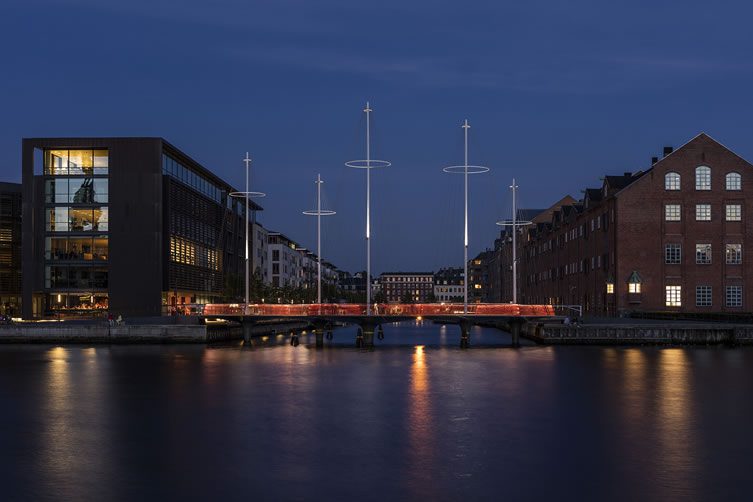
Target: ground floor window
734,296
703,296
673,296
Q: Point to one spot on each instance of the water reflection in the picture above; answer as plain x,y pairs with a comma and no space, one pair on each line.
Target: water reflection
675,423
421,424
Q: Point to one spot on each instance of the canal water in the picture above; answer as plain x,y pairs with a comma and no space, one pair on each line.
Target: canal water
415,419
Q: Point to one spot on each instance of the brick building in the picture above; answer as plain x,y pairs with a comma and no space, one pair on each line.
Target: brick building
672,238
408,287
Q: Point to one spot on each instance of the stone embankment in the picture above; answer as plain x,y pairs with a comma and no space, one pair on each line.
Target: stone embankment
78,332
660,333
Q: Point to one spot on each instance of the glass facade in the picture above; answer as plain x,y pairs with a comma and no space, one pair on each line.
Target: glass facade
178,171
76,186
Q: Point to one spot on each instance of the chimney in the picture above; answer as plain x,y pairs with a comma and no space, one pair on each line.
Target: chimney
654,160
667,150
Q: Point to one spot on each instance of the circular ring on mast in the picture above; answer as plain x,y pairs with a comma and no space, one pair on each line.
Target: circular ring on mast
251,195
323,212
465,169
509,223
367,164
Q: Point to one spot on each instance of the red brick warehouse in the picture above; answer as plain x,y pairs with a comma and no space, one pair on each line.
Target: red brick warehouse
671,238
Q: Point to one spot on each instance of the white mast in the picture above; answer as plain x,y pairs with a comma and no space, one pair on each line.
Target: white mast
368,164
319,212
465,169
247,195
514,223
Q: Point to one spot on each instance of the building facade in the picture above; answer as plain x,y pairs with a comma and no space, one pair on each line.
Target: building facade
130,225
674,238
449,285
10,249
407,287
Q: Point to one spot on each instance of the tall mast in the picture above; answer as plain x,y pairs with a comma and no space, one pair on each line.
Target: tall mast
465,170
319,212
368,164
514,188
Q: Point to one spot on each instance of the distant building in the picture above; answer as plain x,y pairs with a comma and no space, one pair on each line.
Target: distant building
448,285
10,249
414,287
479,284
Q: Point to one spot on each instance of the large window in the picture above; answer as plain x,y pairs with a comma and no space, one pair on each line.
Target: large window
733,181
734,254
672,254
76,246
672,212
703,296
671,181
702,178
673,296
703,254
703,212
734,296
73,162
733,212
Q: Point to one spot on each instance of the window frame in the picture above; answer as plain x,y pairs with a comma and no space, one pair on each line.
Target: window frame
703,178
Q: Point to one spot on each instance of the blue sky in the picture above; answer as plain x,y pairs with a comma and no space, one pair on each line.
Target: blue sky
557,93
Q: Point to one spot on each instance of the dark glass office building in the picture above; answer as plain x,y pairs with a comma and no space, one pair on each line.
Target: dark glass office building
132,226
10,249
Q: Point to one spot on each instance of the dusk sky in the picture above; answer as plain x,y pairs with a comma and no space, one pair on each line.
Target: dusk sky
558,94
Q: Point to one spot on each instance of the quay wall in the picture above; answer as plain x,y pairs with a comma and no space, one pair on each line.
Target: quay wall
640,334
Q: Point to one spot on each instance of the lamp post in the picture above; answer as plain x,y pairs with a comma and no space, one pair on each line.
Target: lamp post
319,212
465,170
514,223
368,164
247,195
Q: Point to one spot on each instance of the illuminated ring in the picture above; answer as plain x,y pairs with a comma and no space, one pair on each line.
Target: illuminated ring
251,195
367,164
323,212
464,169
509,223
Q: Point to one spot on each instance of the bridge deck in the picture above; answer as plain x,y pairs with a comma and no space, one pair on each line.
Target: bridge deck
384,310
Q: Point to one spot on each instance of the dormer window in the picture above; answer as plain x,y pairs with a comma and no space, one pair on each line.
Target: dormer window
671,181
702,178
634,283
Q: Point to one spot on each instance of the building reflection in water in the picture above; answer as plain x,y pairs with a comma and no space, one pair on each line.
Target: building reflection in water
676,441
421,421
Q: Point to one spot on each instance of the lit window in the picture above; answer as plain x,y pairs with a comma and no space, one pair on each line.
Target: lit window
733,181
610,288
703,254
634,283
734,254
703,178
734,296
703,212
673,296
733,212
671,181
703,296
672,254
672,212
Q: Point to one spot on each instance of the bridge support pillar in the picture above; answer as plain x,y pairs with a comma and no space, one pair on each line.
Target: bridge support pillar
246,325
515,327
465,334
365,337
319,333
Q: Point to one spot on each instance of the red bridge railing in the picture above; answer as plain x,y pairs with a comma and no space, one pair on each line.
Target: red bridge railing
380,309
